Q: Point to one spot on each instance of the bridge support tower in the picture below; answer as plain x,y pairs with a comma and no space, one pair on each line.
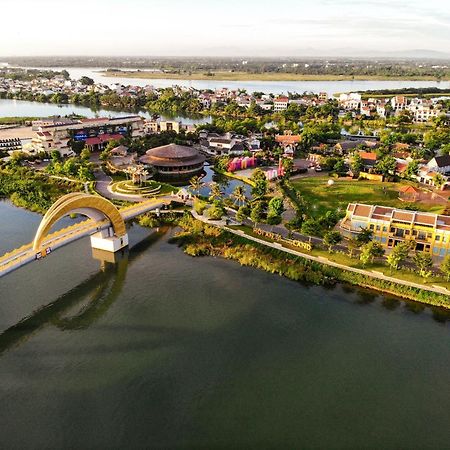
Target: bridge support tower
107,241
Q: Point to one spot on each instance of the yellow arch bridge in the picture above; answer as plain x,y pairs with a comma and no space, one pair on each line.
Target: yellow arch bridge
105,225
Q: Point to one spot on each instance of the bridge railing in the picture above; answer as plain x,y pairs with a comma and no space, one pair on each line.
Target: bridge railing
26,253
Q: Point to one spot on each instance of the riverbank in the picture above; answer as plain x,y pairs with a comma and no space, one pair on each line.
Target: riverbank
34,191
244,76
199,239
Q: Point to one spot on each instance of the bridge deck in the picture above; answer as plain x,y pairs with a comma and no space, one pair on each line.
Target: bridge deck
25,254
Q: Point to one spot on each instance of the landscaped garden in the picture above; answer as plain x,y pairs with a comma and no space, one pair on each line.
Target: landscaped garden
145,189
323,197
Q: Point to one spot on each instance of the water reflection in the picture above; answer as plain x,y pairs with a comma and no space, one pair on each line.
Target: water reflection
101,290
366,297
441,315
226,184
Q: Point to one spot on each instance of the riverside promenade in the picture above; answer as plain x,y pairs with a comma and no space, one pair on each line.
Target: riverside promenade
222,224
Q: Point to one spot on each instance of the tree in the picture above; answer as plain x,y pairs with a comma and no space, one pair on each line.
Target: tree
404,118
242,213
112,144
276,206
352,245
398,255
85,154
364,236
445,149
370,251
412,169
339,167
196,184
86,81
275,209
65,74
260,183
257,212
445,267
216,211
356,163
239,195
215,193
423,262
288,165
55,155
332,238
85,174
438,180
104,155
386,166
309,227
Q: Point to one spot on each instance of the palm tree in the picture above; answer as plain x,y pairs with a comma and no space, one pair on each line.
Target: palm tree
215,193
239,195
196,184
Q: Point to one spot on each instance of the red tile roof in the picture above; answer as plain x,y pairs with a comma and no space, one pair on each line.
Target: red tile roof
288,138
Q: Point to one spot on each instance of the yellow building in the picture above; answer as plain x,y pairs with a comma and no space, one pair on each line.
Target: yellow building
390,226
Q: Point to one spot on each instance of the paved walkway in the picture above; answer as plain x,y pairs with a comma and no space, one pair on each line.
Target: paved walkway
322,260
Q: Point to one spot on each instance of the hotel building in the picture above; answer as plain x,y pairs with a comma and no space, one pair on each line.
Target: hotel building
94,133
428,232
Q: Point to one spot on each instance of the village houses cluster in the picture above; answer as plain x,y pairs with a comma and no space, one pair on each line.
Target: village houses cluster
422,109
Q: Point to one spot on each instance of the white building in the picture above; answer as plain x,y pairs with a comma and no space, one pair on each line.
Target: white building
280,104
350,102
440,164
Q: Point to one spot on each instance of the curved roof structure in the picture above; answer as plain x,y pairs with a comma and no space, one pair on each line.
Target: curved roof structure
172,155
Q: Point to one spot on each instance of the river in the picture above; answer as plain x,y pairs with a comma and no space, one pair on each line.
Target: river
167,351
275,87
23,108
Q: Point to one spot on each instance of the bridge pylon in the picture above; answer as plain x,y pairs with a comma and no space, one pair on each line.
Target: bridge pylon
106,240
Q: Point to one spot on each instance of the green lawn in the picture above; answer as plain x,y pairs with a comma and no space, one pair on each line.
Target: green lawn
321,197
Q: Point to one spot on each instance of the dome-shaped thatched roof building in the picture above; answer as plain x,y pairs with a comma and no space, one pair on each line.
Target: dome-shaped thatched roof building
174,161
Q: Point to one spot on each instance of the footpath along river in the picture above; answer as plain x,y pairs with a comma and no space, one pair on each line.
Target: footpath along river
168,351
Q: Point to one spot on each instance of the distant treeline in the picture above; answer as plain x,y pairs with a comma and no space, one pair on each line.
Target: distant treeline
407,91
303,66
31,74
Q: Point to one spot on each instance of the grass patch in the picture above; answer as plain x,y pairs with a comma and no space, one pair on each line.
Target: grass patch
324,198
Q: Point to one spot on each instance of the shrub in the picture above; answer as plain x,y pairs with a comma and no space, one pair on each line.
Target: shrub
216,211
199,206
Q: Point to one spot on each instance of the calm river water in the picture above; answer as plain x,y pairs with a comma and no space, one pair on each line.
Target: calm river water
23,108
167,351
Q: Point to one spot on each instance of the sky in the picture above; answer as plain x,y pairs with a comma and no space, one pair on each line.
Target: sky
222,28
